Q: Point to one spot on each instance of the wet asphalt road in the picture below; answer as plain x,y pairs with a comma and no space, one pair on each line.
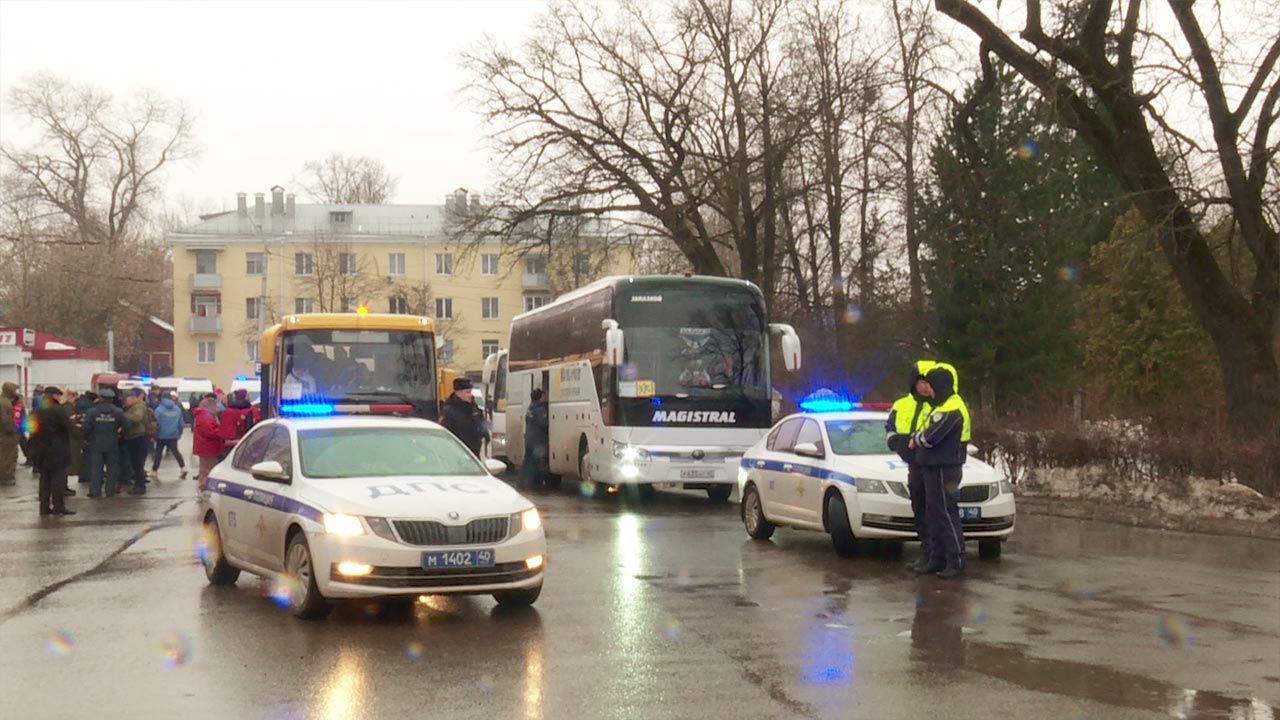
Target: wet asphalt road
657,610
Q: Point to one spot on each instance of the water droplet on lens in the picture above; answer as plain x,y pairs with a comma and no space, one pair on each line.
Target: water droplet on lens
175,649
60,644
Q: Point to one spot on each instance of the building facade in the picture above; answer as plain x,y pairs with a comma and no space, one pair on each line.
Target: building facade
234,273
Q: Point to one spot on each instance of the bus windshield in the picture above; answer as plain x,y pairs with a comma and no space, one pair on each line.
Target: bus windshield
373,366
694,344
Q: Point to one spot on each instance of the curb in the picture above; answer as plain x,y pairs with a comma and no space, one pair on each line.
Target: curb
1145,517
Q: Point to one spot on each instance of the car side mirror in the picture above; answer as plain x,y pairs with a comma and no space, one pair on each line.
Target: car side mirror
972,450
809,450
495,467
269,470
613,343
791,358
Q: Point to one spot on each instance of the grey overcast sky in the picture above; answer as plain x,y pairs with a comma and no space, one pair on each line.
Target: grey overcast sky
274,84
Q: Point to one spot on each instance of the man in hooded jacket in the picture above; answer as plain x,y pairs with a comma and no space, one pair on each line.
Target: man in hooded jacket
940,451
906,417
51,451
462,417
8,435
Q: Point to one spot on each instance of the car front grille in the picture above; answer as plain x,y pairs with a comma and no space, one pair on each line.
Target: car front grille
412,577
431,533
974,493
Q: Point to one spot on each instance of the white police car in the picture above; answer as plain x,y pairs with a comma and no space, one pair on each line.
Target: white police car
832,472
354,507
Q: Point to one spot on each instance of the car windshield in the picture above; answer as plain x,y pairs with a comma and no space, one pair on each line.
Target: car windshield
382,451
857,437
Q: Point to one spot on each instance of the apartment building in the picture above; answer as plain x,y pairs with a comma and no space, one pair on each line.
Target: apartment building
236,272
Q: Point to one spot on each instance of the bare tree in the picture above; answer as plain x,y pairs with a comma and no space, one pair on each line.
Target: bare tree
97,162
341,277
347,180
1111,79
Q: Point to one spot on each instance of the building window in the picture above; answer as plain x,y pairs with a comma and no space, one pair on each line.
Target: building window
489,308
488,264
444,308
488,347
252,308
206,305
251,351
340,217
206,351
254,263
444,263
348,263
535,264
446,351
304,305
399,305
206,262
582,264
533,302
304,264
395,264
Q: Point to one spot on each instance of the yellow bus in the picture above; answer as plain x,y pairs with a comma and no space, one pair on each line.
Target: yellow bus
327,363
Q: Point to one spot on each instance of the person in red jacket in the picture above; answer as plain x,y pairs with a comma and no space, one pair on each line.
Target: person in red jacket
207,441
235,420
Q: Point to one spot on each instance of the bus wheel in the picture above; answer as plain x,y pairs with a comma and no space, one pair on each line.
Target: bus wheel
590,487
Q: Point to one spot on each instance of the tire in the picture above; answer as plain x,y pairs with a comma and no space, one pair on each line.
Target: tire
216,568
753,519
518,598
305,599
990,548
589,485
719,493
842,537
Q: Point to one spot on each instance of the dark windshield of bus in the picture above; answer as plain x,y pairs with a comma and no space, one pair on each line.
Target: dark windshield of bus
694,343
364,366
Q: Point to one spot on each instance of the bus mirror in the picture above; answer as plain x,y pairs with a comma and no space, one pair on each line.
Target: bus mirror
791,356
489,363
612,343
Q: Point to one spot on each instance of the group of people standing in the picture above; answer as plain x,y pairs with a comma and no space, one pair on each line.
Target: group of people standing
929,428
107,444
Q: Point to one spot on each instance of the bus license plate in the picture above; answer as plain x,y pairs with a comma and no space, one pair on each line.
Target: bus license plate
970,513
690,474
457,558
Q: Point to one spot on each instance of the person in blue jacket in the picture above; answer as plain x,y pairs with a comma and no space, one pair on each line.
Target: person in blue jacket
168,431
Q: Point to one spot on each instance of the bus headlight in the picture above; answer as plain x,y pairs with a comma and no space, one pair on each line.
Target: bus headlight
627,453
342,525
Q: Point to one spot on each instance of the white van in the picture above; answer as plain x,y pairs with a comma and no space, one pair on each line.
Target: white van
190,386
243,382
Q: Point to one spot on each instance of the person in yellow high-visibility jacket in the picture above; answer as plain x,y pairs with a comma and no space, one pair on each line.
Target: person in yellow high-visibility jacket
905,418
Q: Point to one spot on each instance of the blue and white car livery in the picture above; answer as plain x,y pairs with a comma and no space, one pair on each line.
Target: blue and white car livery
353,507
831,472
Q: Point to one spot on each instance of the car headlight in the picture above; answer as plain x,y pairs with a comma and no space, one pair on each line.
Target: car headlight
626,453
898,489
381,527
530,519
867,485
343,525
1005,486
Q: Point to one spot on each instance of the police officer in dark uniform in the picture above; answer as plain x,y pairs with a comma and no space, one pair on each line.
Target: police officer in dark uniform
51,451
941,454
906,417
462,417
102,427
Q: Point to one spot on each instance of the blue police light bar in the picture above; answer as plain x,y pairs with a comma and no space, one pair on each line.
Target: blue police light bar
307,409
827,404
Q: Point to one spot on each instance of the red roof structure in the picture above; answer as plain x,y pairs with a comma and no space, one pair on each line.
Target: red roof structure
44,346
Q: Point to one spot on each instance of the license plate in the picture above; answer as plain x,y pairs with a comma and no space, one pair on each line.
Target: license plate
970,513
697,474
457,558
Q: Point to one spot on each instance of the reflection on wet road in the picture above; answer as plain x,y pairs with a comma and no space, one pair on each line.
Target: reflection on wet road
657,610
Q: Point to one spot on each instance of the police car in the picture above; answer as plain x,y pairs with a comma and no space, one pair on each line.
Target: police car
828,469
360,506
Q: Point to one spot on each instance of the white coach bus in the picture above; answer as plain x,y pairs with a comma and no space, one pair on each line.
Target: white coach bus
651,380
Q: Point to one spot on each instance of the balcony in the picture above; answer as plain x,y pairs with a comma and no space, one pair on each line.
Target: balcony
204,281
206,324
535,281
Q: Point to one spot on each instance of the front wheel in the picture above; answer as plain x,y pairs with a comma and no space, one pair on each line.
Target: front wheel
753,518
216,568
719,493
518,598
842,537
304,597
989,548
